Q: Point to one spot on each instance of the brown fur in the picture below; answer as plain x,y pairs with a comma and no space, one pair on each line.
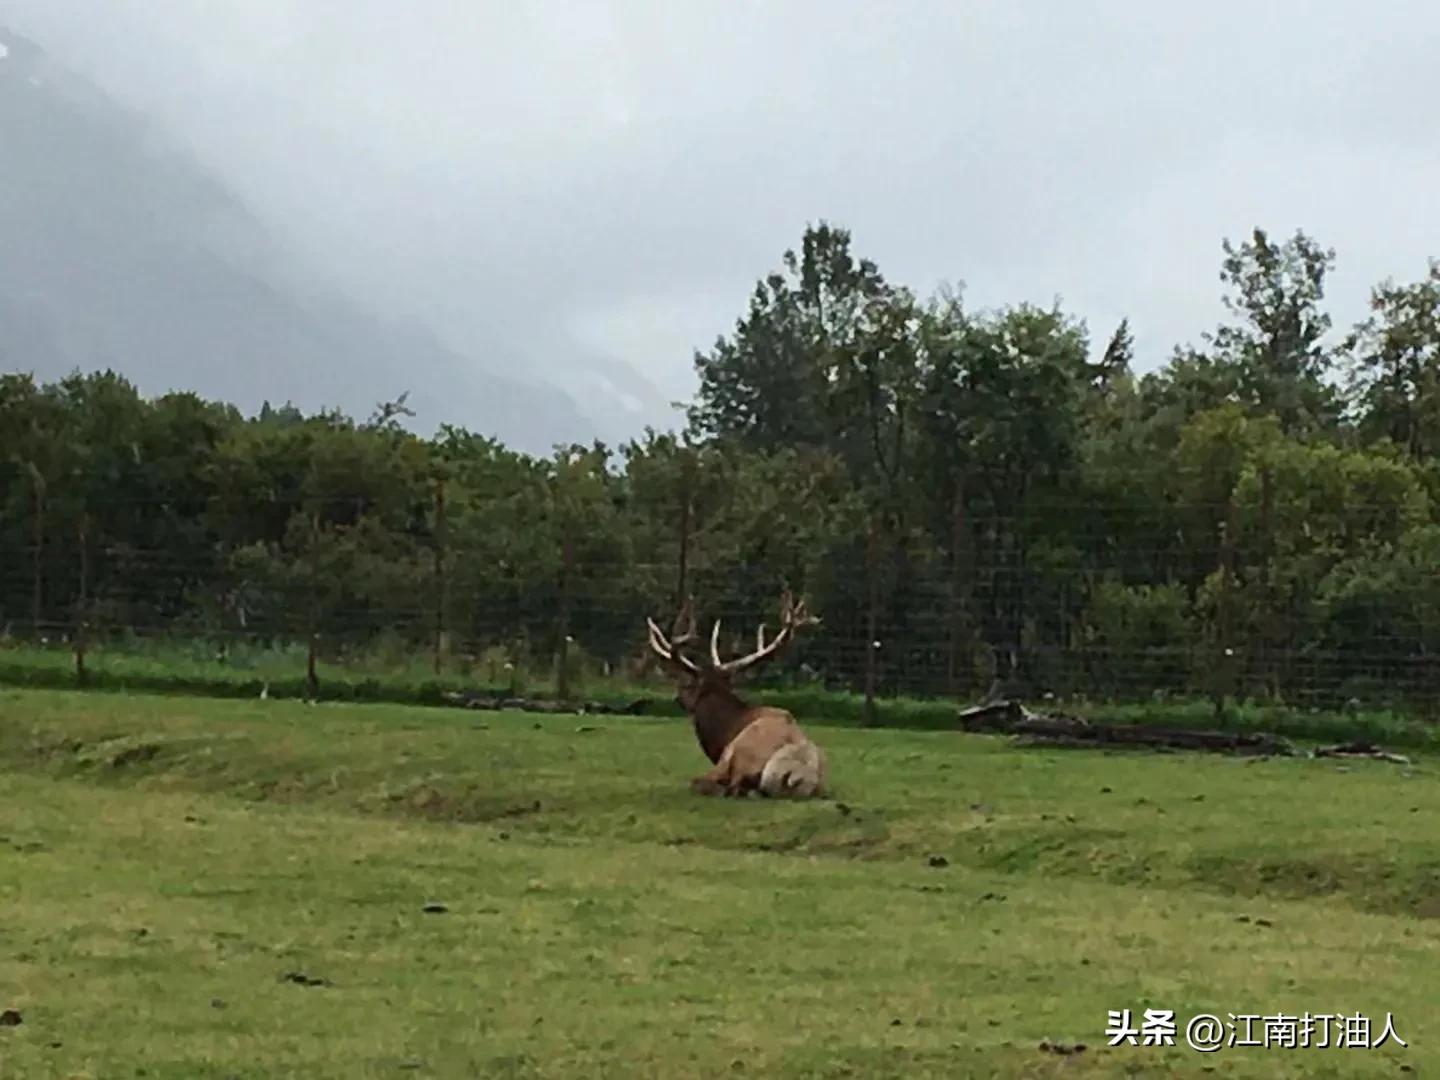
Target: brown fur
738,738
717,713
743,762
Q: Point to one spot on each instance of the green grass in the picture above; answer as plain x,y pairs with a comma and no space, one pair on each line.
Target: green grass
165,862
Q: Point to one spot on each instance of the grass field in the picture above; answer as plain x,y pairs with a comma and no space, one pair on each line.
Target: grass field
207,888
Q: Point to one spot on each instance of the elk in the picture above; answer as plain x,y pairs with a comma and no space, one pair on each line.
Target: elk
752,747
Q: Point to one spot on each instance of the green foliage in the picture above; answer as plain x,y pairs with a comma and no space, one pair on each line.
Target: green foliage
1394,358
960,494
1140,632
1276,349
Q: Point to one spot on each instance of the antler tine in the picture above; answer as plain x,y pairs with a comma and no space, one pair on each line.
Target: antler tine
684,629
792,617
665,648
657,638
715,645
795,614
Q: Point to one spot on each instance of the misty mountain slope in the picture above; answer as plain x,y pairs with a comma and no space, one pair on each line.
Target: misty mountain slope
118,251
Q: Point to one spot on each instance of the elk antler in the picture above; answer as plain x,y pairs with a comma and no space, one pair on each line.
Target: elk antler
792,617
667,648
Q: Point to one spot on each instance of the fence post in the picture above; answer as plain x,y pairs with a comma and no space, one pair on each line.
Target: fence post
440,580
562,677
957,593
871,621
312,680
1270,619
84,600
1225,656
687,511
80,677
37,547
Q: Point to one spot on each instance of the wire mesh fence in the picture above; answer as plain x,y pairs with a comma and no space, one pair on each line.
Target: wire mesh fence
1074,605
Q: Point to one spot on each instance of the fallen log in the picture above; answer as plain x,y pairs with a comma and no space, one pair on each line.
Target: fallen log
999,716
1359,750
1055,729
467,699
1259,744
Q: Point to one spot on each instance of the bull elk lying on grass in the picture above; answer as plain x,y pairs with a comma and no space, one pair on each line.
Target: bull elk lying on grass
752,747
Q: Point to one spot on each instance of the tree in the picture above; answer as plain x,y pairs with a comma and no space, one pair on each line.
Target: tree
1275,348
1119,356
1395,365
1002,426
958,486
772,384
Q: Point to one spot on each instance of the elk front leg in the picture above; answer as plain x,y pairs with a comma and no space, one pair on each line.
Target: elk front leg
706,785
722,779
709,784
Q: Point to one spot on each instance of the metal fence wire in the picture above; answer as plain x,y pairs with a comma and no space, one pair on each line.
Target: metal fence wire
1070,613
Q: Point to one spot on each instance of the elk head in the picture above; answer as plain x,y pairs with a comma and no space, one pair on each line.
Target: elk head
704,689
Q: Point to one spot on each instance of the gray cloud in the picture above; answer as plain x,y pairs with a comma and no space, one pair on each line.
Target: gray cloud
552,184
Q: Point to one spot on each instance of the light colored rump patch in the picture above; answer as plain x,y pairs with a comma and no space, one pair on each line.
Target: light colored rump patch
796,770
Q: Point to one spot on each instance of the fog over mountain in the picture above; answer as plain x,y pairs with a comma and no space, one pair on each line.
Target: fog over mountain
529,216
120,250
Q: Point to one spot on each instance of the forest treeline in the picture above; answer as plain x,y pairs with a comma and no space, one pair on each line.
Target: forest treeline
956,493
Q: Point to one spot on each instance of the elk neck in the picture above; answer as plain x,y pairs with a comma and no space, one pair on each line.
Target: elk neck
718,713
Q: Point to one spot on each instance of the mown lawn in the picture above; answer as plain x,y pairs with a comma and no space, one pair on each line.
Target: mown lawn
166,863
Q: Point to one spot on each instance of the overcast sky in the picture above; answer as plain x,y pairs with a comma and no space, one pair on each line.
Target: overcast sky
620,172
